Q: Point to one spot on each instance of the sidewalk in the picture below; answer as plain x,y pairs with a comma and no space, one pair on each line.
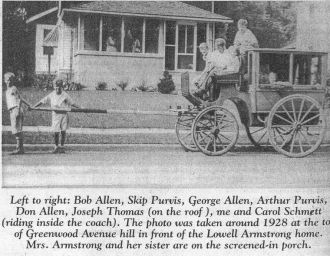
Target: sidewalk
43,135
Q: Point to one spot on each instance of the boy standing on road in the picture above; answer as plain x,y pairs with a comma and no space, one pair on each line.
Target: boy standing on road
14,105
60,121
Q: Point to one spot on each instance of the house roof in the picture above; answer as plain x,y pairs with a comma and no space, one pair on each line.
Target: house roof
42,14
159,9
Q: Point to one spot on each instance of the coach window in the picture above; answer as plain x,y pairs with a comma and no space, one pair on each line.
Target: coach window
91,32
274,68
307,70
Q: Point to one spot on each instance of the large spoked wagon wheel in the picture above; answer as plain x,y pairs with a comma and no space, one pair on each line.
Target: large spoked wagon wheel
215,131
296,125
183,130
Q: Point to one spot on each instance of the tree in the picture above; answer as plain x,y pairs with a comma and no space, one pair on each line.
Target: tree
15,31
273,23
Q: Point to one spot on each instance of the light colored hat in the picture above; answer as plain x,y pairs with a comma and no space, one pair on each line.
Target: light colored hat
8,75
220,41
204,45
242,22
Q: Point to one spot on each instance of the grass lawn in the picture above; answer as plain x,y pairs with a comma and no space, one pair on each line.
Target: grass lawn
121,100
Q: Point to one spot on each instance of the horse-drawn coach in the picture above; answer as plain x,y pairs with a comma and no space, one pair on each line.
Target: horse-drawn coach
279,96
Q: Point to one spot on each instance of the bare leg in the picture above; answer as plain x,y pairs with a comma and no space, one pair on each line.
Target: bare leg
63,134
56,141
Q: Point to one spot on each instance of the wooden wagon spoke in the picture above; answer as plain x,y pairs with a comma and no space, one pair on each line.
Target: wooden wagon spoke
187,135
187,120
262,128
284,119
229,121
307,112
301,109
209,143
214,145
281,126
310,119
287,112
221,143
284,131
300,144
278,135
183,130
201,139
292,142
280,132
262,136
210,122
200,134
204,125
223,136
287,140
225,126
215,119
220,120
312,126
185,125
294,111
307,140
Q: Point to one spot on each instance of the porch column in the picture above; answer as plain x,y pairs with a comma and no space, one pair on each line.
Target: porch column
209,35
64,50
161,38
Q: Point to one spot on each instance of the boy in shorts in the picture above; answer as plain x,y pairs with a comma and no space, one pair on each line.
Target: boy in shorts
60,121
14,105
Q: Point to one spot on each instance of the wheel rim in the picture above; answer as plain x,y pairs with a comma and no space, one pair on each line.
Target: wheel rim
296,126
183,131
215,131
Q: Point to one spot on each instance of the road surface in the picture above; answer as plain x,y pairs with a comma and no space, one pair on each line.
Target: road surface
156,166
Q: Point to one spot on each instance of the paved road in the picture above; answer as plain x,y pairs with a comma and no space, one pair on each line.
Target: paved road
156,166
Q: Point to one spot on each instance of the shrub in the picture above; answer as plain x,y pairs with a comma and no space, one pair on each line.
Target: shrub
122,84
166,84
142,87
43,81
74,86
101,86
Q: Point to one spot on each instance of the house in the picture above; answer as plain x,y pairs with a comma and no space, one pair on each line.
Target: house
114,41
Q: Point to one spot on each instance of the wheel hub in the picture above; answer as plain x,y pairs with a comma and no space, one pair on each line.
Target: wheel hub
215,131
297,126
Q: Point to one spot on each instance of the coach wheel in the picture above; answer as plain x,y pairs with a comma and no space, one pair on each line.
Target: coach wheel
296,125
215,131
183,132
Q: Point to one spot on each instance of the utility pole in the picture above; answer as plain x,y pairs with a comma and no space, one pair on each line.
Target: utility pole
213,27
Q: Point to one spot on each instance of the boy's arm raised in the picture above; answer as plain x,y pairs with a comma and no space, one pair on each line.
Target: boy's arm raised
42,101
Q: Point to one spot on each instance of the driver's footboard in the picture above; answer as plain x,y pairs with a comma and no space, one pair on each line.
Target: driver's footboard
185,90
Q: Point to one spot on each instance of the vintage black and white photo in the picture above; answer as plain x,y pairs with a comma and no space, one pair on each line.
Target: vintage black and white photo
166,95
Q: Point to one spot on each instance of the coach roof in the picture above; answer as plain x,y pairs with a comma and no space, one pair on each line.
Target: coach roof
155,9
